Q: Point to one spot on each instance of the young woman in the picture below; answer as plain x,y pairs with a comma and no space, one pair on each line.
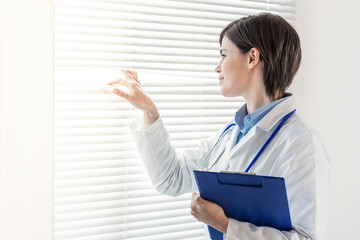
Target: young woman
260,55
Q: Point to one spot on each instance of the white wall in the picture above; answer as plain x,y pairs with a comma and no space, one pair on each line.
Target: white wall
26,109
327,90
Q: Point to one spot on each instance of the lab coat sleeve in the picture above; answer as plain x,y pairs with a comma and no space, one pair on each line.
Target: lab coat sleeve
170,172
247,231
305,165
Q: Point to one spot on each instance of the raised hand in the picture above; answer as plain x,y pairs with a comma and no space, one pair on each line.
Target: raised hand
136,95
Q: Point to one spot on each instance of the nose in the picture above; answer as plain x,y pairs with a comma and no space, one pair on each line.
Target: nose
218,69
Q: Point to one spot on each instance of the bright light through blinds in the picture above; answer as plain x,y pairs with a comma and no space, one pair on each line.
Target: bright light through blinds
102,190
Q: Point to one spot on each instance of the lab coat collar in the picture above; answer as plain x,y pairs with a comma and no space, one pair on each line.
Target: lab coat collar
277,113
265,124
246,121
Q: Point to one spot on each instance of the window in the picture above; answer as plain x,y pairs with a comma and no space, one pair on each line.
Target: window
102,190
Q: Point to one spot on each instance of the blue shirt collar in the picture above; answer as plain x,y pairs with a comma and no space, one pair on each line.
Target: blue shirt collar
246,121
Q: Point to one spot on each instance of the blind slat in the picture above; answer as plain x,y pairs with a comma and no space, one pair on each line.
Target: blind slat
178,231
98,188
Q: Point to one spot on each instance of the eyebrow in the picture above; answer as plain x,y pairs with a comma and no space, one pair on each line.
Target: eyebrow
222,50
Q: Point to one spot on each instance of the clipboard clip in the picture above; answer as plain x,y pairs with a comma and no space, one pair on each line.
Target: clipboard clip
248,173
239,179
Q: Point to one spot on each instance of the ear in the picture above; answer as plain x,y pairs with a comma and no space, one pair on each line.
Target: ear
253,58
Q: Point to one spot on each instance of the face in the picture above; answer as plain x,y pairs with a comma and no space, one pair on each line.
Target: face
234,73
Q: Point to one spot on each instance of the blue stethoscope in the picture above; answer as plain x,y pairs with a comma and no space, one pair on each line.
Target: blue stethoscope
260,151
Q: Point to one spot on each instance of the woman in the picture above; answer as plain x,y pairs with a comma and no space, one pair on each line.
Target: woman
260,56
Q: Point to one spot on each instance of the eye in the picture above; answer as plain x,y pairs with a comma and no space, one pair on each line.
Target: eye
223,55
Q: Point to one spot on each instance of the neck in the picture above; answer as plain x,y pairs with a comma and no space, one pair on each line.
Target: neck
256,96
257,101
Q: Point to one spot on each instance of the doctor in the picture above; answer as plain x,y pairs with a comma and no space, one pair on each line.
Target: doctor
260,55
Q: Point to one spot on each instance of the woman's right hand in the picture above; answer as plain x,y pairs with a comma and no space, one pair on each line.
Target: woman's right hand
136,95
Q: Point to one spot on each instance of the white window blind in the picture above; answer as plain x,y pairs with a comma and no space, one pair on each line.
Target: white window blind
102,190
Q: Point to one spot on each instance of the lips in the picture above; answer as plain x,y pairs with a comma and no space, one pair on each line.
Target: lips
221,80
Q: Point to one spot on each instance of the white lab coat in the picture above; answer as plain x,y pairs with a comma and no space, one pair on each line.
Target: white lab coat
296,153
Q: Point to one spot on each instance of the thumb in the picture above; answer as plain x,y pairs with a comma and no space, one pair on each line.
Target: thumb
121,93
200,202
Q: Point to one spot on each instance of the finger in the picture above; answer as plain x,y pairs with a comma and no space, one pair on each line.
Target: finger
121,93
195,215
193,197
134,75
130,75
118,81
193,204
196,197
127,74
194,210
200,202
112,82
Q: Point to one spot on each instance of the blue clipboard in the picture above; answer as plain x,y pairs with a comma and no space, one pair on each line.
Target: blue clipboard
260,200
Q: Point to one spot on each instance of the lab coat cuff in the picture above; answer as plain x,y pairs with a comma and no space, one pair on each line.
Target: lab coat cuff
237,230
138,125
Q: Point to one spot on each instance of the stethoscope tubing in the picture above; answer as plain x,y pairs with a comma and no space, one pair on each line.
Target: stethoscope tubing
260,151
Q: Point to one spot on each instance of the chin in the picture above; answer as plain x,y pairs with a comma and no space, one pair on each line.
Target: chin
228,94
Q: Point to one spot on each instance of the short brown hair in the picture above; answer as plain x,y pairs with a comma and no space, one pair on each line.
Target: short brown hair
278,43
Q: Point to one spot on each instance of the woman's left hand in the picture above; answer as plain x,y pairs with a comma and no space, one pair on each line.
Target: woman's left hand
209,213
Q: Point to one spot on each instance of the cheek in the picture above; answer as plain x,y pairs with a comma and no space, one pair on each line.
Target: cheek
230,65
236,69
231,72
